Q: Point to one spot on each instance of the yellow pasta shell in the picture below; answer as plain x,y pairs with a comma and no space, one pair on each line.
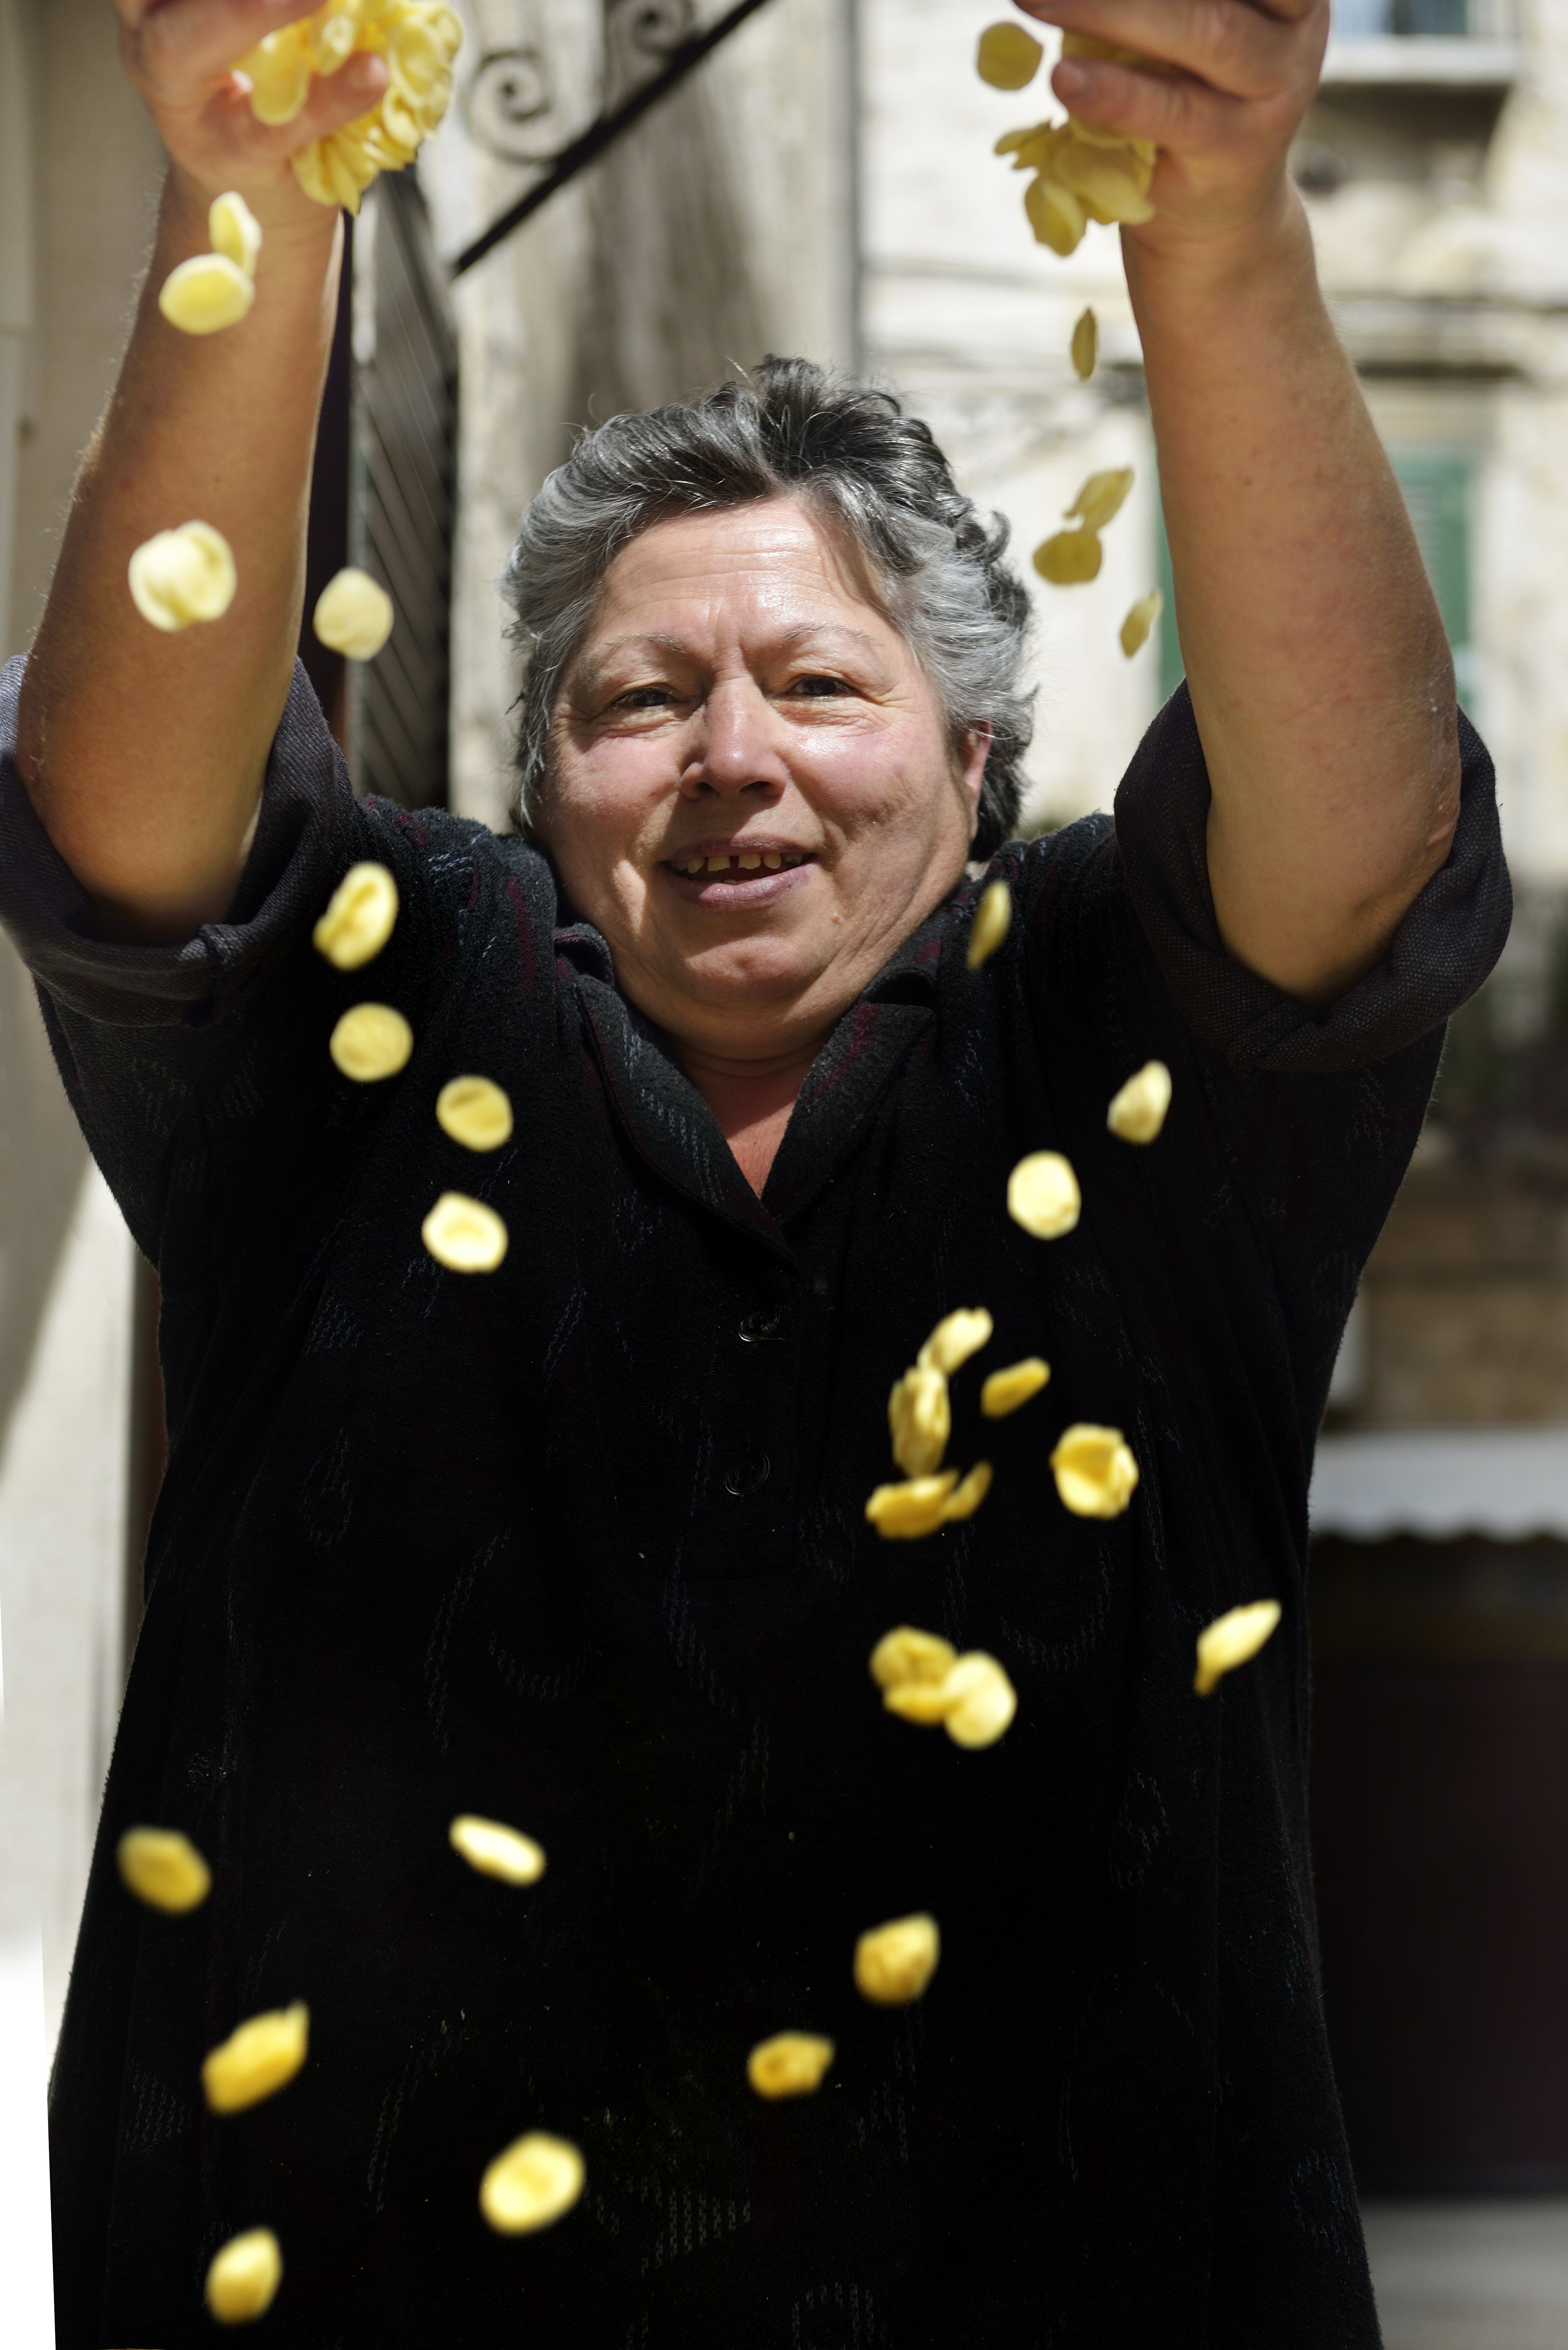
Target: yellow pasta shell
475,1113
1069,558
163,1869
235,232
360,919
183,575
495,1850
1140,619
243,2277
1086,345
1007,56
992,918
1094,1470
1233,1639
354,615
259,2059
956,1337
534,2182
893,1963
790,2064
206,294
1006,1390
1137,1112
370,1041
1043,1195
463,1234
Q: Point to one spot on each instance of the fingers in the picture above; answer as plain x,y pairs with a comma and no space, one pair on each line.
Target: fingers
341,99
179,42
1178,114
1232,45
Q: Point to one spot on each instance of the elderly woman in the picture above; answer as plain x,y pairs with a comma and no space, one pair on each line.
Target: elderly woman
579,1543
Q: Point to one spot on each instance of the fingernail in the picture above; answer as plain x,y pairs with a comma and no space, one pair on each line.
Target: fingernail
1069,79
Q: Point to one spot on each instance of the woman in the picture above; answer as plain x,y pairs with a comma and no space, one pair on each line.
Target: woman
579,1545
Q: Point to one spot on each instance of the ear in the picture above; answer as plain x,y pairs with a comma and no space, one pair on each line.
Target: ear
972,755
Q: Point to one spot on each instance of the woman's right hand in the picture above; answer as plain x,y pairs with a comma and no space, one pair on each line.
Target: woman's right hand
179,56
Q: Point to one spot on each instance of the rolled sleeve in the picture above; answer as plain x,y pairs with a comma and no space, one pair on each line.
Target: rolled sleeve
302,838
1439,956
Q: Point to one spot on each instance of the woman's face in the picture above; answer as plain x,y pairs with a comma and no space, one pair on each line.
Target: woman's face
752,791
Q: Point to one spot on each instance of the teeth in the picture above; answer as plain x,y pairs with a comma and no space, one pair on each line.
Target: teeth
771,859
748,864
717,865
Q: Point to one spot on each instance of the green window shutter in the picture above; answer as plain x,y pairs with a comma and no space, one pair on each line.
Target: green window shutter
1438,495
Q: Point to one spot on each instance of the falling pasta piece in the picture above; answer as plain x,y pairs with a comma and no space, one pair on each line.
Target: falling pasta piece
1102,496
982,1700
497,1851
919,1420
790,2064
907,1513
1055,215
235,232
1006,1390
370,1041
183,575
1233,1639
475,1113
259,2059
956,1337
893,1963
989,927
1043,1195
532,2184
1069,558
966,1498
905,1658
1094,1471
974,1700
245,2276
163,1869
1137,1112
354,616
206,294
1007,56
360,919
1140,621
1086,345
463,1234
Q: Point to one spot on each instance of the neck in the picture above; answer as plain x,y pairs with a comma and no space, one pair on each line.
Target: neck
751,1100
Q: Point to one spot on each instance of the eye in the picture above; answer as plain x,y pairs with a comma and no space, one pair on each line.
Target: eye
819,688
644,697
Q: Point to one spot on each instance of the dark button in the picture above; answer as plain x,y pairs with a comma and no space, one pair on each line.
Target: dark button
759,1327
820,1284
747,1473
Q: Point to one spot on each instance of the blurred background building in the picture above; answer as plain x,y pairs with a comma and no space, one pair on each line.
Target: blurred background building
824,181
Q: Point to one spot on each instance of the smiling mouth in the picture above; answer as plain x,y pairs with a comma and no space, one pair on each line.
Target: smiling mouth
740,865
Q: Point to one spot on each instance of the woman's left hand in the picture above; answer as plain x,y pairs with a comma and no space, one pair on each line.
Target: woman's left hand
1238,76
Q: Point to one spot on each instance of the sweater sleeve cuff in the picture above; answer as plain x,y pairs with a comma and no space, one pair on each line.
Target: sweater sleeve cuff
1439,956
301,841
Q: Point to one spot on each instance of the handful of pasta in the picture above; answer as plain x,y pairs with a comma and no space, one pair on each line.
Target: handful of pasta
1082,174
418,40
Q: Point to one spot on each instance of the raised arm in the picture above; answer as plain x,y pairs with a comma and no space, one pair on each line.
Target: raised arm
1319,672
143,751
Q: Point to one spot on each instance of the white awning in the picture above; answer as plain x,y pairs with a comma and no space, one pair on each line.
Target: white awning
1507,1484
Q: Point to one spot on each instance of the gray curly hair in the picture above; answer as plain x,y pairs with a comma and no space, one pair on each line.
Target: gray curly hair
788,427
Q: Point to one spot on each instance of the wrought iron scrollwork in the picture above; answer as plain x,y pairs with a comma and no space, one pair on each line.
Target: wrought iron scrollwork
507,106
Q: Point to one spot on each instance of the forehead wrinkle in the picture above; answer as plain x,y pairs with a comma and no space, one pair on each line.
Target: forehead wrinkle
595,657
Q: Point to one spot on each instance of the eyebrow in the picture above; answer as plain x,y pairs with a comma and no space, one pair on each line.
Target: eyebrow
654,640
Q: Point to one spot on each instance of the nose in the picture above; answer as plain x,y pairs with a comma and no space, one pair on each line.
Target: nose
737,747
